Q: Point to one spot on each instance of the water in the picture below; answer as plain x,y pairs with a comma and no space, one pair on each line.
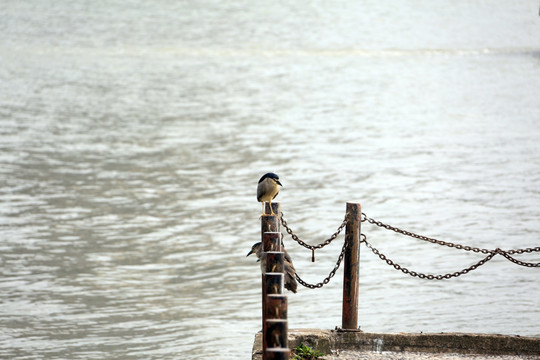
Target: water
133,134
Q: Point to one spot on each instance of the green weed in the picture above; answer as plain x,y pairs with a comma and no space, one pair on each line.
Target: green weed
304,352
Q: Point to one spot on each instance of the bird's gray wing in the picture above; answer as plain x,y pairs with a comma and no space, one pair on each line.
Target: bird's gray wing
260,190
288,257
290,281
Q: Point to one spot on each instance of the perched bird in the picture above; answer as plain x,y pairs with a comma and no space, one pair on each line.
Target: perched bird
267,190
289,270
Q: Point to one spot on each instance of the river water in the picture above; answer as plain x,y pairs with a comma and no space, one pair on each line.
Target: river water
132,136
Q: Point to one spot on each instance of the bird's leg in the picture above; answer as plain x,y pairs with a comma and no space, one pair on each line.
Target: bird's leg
263,212
271,210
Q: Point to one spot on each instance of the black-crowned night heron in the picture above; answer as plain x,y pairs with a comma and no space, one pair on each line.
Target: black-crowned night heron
289,270
267,190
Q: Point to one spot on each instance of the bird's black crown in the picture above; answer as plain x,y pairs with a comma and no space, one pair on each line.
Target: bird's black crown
269,175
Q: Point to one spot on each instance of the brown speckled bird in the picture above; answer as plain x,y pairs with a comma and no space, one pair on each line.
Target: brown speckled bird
289,270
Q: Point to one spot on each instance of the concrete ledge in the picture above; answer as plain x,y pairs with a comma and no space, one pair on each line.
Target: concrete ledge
332,341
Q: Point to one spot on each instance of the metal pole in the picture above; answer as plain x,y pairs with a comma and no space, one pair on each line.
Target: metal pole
351,266
274,303
272,282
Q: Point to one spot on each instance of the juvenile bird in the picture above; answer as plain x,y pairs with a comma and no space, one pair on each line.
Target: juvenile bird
267,190
289,270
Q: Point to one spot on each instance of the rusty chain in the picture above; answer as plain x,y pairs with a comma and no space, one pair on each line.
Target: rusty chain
426,276
318,246
331,275
452,245
506,254
422,237
315,247
490,253
521,251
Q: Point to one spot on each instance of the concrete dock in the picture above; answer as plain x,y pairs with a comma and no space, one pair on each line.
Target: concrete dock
348,345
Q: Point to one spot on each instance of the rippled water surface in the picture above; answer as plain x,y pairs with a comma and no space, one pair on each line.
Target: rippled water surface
132,135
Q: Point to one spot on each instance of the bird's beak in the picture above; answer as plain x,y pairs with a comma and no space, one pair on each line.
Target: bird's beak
277,182
250,252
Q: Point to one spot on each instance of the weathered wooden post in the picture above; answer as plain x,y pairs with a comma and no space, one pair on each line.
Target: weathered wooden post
270,223
351,266
274,303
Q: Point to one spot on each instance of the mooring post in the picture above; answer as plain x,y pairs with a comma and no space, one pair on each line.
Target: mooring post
271,223
274,303
351,266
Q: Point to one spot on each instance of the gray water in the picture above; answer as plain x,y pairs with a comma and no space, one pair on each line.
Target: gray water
132,136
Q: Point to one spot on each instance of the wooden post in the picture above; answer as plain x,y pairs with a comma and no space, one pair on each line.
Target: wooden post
351,268
271,244
276,306
277,354
271,223
273,263
274,303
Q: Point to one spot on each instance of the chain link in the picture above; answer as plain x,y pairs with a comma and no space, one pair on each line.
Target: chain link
444,243
427,276
313,247
331,275
521,251
422,237
504,253
318,246
490,253
516,261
